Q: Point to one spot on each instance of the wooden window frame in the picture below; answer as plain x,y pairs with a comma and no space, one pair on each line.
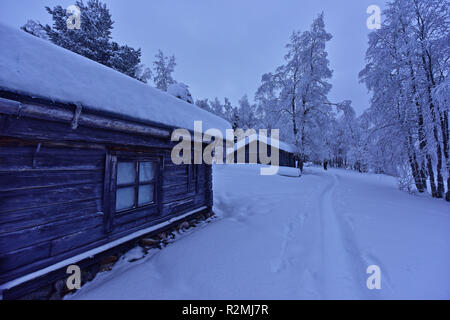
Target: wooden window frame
136,184
111,187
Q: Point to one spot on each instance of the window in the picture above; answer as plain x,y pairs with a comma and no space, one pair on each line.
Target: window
135,184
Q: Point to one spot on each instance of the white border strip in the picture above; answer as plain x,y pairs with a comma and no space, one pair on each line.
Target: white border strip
92,252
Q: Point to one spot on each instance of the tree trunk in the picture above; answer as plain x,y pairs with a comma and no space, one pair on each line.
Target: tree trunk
431,177
422,138
445,143
415,167
427,66
445,135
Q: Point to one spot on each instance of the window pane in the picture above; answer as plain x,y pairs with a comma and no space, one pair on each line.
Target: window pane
125,172
124,198
145,194
146,171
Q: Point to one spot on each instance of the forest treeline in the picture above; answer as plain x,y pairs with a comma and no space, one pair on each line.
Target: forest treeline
404,132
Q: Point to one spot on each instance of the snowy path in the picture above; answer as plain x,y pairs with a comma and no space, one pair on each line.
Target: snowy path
297,238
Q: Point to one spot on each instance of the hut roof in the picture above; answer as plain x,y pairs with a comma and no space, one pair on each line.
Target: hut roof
34,67
255,137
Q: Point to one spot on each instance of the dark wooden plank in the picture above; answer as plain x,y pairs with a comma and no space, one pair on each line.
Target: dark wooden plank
16,158
140,214
26,218
17,142
107,184
174,179
23,199
39,111
26,158
24,256
112,193
208,187
175,169
134,225
127,229
20,239
178,206
65,157
77,240
15,180
29,128
173,192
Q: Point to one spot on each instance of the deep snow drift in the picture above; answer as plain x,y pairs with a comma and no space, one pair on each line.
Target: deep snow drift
292,238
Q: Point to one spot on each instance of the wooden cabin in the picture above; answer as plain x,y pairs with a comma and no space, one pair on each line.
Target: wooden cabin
85,161
250,147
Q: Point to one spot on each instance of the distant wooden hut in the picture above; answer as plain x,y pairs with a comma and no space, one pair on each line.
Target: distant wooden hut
249,148
85,161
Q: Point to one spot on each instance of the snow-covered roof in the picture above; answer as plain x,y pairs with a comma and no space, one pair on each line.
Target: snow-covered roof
38,68
181,91
255,137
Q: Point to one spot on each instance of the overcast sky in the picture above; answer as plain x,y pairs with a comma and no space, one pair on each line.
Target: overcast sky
223,47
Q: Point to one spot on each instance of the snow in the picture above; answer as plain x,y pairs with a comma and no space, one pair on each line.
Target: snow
134,254
289,172
255,137
285,238
38,68
181,91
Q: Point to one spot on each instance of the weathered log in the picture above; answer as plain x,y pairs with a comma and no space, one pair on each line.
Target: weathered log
18,109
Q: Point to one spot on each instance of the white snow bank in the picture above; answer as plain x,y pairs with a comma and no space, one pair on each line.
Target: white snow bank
289,172
38,68
181,91
134,254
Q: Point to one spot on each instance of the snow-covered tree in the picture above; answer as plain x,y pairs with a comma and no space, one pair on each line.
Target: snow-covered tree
143,73
164,66
407,61
228,110
93,39
224,110
247,114
267,111
217,107
125,59
35,28
204,104
235,121
301,89
342,136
